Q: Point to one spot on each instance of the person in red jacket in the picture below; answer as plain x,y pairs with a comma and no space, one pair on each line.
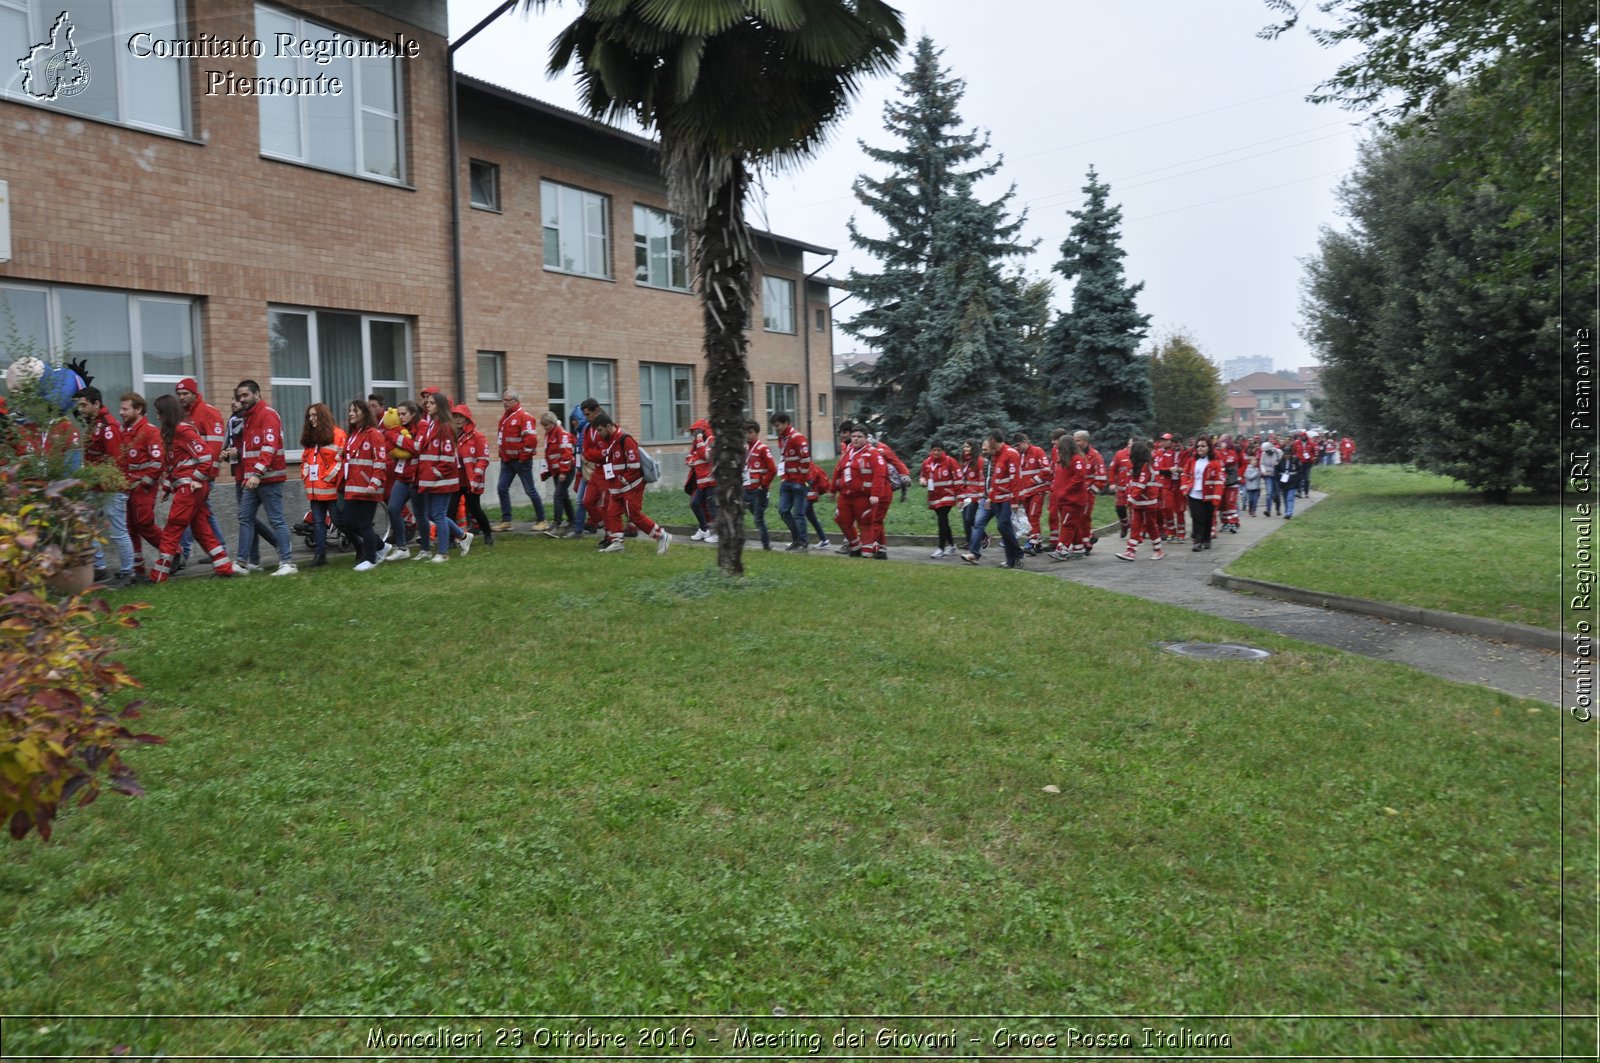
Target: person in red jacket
261,446
208,421
190,467
940,474
759,472
1121,472
1232,473
1144,504
321,466
794,465
473,449
970,490
1000,488
593,499
703,481
1347,450
1202,482
438,478
1073,475
623,476
560,465
517,444
861,480
820,485
1034,485
105,447
1167,466
363,481
400,476
142,456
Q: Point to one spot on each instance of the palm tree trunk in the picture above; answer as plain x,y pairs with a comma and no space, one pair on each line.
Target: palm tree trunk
722,267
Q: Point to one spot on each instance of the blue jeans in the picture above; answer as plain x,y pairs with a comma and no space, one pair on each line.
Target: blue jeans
703,504
321,513
755,501
250,502
518,470
561,502
401,493
792,507
1288,499
811,515
115,511
445,530
579,517
1008,535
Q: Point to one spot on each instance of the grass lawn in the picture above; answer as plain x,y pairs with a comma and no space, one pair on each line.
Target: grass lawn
518,784
1397,535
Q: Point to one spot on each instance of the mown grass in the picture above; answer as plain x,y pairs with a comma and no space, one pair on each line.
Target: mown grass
1394,534
539,781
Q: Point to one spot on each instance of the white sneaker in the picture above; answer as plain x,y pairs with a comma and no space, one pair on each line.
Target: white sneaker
711,537
423,555
366,566
700,533
437,559
465,543
663,541
937,554
285,569
612,547
245,566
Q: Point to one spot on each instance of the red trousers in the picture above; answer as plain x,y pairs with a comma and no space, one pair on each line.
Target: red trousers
862,522
1075,533
1143,523
596,501
1033,506
1228,512
1173,507
844,517
142,524
189,511
630,506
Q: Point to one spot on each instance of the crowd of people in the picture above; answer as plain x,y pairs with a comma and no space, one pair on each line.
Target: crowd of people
424,464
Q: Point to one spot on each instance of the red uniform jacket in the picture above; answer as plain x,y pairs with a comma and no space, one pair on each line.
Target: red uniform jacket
700,463
1034,465
438,468
893,460
1144,486
759,468
472,446
795,451
619,462
942,475
970,488
189,461
1073,475
210,423
142,455
322,468
558,453
1005,472
366,464
261,445
863,472
819,485
1211,483
403,469
1099,477
1121,473
105,441
518,436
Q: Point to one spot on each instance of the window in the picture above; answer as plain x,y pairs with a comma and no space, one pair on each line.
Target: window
357,131
491,375
576,233
485,185
822,319
574,379
131,342
782,398
322,356
660,253
777,304
666,395
120,77
822,403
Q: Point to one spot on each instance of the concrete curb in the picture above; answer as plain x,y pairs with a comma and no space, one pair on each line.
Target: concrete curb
1476,626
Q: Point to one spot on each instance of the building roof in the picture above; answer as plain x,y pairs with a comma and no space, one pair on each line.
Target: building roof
1264,382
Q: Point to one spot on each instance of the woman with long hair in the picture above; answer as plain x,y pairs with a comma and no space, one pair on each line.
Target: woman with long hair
970,488
1144,492
321,469
438,479
402,479
472,447
363,481
189,470
1201,483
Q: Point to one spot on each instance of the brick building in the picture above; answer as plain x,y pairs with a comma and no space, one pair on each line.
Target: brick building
185,195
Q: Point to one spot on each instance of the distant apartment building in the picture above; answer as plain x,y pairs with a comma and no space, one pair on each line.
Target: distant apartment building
1235,368
227,189
1267,402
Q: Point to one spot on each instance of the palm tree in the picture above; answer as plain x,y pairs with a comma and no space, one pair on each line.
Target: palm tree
726,85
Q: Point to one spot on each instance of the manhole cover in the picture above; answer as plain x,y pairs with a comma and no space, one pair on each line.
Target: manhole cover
1215,651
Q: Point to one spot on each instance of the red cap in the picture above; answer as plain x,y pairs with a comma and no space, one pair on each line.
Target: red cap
432,391
189,383
702,424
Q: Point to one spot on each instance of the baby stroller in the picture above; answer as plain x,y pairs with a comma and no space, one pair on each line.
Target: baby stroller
337,539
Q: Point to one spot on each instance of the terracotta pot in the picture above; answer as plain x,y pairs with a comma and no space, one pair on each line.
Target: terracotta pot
74,580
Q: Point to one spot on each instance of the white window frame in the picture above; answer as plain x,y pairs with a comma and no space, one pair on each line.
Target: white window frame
142,381
675,372
772,304
314,361
653,223
547,189
494,394
493,170
570,398
793,409
305,66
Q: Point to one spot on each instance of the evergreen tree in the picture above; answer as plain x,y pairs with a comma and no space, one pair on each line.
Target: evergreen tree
975,321
1185,385
1092,376
931,158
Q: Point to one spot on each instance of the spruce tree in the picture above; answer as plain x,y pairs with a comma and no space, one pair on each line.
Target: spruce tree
1091,373
931,158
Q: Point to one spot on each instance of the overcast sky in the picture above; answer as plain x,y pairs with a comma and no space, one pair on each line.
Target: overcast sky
1224,173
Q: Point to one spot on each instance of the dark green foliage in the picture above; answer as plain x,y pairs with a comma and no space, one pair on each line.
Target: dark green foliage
1186,385
972,323
1091,373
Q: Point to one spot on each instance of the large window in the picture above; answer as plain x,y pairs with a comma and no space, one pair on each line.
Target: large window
660,249
131,342
666,401
323,356
777,304
354,132
783,398
574,379
491,375
576,230
123,70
